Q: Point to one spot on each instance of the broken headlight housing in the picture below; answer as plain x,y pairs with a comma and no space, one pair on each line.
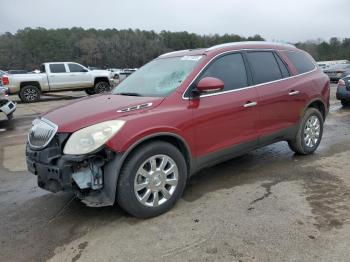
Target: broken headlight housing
89,139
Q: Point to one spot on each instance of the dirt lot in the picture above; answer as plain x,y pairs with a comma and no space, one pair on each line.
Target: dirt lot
268,205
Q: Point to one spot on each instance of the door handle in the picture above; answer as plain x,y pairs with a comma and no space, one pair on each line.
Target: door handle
250,104
294,93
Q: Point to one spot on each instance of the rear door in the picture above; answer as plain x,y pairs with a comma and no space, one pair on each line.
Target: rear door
58,76
79,76
226,120
278,100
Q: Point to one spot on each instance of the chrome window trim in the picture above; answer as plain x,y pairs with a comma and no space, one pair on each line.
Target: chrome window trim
49,140
243,88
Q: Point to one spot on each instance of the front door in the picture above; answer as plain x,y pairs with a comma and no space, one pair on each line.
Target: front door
226,120
79,76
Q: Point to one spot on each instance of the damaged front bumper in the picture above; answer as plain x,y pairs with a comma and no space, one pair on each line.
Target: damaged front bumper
92,177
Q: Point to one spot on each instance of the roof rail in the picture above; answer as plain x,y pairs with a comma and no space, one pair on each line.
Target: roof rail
248,42
174,52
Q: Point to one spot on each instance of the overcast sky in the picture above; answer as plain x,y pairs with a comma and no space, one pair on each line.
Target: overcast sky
278,20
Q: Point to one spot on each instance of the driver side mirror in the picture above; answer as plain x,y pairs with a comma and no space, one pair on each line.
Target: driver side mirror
210,84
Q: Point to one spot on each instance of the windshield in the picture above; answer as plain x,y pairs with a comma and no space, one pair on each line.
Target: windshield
158,78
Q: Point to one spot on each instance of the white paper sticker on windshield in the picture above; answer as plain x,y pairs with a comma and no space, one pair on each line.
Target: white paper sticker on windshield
191,58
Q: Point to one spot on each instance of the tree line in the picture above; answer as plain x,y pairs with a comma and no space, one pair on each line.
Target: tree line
334,49
28,48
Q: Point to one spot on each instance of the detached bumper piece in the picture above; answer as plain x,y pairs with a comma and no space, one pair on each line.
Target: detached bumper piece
7,107
84,175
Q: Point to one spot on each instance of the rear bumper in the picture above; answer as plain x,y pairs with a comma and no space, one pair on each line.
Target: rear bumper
343,93
91,177
13,90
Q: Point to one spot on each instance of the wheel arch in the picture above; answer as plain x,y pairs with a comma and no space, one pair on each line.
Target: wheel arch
101,79
168,137
319,105
32,83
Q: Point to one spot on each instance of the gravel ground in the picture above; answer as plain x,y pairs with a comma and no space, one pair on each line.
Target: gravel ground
268,205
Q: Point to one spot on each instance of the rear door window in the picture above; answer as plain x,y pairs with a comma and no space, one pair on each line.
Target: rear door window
230,69
57,68
264,66
302,62
283,67
74,68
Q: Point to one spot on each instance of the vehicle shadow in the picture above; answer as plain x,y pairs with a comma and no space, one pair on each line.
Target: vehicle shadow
6,124
48,221
51,220
15,123
53,97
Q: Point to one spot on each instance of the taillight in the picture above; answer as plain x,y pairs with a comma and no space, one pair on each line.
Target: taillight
341,82
5,80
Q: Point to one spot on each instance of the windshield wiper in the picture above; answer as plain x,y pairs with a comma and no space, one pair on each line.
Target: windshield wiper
128,94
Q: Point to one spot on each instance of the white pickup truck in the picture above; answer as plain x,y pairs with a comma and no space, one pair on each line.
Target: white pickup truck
58,76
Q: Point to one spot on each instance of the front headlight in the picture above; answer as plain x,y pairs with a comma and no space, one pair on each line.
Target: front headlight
91,138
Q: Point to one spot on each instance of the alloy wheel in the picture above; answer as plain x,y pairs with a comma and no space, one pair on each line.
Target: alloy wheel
312,131
156,180
30,94
102,87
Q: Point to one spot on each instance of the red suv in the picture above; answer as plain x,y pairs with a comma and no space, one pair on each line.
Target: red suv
181,112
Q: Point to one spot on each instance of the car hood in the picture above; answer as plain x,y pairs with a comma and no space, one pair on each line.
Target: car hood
96,109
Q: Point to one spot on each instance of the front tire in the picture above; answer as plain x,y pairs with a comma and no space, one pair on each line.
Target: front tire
102,87
309,134
152,180
90,91
30,94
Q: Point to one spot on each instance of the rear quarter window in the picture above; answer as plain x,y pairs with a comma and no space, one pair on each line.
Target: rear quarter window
302,62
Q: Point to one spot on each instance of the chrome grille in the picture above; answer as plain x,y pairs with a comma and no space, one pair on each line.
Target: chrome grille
41,133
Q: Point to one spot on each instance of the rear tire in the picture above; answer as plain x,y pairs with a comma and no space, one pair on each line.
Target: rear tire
146,174
309,134
345,102
102,87
90,91
30,94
